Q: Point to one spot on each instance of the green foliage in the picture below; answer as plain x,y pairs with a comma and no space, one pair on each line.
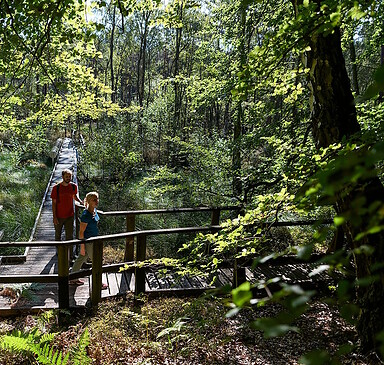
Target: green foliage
21,190
37,345
338,176
79,355
376,86
200,182
34,343
247,236
173,333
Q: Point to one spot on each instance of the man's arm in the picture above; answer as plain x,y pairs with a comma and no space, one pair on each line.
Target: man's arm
76,196
54,206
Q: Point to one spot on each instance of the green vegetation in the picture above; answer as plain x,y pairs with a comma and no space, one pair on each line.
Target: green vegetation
185,331
21,192
276,107
34,344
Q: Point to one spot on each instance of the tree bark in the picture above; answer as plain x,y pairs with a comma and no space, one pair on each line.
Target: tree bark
334,119
333,107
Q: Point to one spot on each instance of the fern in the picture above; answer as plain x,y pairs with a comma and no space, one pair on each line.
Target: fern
80,356
37,344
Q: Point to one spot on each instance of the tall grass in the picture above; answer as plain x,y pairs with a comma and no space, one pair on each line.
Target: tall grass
21,191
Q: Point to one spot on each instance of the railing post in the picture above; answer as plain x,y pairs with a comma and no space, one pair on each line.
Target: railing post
77,225
76,249
63,272
215,217
141,248
129,241
97,272
239,276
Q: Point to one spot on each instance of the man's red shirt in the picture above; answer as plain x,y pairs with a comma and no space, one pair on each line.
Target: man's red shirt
64,203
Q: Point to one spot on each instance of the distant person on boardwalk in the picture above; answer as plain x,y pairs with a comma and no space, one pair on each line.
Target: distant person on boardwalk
63,195
88,228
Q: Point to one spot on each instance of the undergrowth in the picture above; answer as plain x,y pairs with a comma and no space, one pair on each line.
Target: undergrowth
171,330
21,191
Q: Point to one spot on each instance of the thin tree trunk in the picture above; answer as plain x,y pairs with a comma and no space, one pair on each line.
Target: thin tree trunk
355,81
237,127
113,96
381,94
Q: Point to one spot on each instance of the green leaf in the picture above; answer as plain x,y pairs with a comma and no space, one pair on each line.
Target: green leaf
316,357
242,294
338,221
272,327
335,18
378,76
304,252
350,312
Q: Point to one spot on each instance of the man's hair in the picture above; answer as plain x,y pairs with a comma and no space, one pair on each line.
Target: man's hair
66,171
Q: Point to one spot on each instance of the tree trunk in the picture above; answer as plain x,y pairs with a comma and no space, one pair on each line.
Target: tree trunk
333,118
381,94
113,96
238,121
177,91
355,81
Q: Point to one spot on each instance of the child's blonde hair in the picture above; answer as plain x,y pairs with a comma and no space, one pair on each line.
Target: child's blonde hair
91,195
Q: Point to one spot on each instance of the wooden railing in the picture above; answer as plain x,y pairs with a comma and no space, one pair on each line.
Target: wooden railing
130,216
63,276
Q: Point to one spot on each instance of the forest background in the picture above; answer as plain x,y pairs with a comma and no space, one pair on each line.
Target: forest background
188,103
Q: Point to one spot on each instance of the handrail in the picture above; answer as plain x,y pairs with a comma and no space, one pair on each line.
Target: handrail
169,210
63,276
131,220
150,232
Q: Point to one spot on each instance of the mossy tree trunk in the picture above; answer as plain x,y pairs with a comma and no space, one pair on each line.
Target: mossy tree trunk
333,119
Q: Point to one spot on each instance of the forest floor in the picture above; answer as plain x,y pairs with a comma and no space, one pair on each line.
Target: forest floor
191,331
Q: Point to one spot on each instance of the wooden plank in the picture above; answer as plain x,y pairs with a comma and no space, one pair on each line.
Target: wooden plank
28,279
258,274
113,284
177,281
109,280
228,273
152,282
127,282
163,283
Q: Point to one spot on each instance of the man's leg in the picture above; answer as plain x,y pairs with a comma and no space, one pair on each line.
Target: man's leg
68,227
58,229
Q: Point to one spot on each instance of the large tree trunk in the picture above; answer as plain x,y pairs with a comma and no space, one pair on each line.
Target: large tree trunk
333,118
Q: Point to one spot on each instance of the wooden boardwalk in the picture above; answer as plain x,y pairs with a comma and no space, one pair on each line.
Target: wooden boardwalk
43,260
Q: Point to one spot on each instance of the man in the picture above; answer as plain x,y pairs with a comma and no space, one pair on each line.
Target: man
62,196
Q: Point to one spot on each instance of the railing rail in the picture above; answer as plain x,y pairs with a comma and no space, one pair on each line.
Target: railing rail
63,276
131,220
